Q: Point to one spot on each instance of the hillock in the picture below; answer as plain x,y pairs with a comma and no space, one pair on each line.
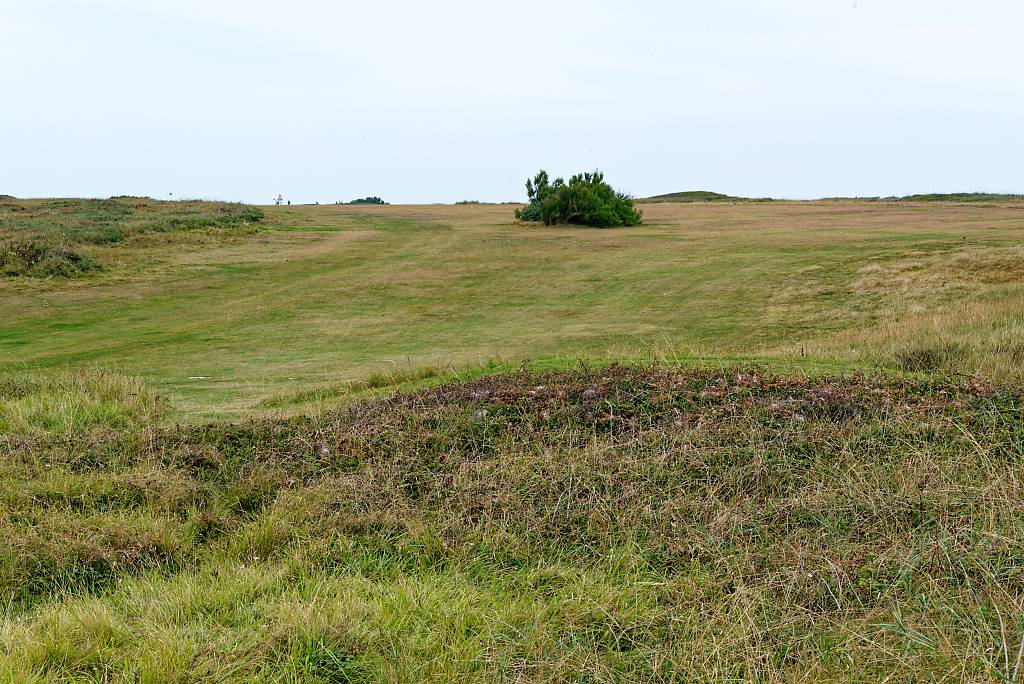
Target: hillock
629,523
51,237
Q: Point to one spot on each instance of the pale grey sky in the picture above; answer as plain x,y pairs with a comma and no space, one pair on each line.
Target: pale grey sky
453,99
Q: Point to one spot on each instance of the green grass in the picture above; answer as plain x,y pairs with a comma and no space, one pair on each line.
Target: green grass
380,444
68,403
327,295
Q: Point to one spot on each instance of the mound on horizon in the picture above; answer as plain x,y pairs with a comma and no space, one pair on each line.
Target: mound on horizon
698,196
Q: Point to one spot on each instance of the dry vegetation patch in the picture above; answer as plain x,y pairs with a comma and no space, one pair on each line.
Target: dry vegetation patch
630,523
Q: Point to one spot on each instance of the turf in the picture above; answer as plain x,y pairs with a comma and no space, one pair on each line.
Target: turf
324,295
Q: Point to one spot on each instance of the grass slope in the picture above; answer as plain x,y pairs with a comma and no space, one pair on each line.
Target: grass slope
619,524
43,238
222,323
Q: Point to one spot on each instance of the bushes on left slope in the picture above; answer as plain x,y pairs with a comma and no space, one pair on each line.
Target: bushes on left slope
40,238
39,259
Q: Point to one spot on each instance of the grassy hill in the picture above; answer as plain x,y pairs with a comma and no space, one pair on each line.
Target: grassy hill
698,196
616,524
47,238
392,443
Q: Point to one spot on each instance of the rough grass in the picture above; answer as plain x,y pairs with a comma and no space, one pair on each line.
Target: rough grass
617,524
32,258
66,403
43,238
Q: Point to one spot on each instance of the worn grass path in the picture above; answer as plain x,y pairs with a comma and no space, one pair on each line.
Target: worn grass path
327,293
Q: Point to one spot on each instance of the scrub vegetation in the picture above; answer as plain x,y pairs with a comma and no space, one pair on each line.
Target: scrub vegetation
742,441
45,238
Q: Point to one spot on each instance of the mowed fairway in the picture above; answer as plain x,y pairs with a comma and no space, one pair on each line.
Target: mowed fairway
324,294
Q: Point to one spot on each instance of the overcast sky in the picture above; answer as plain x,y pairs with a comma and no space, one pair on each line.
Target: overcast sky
449,100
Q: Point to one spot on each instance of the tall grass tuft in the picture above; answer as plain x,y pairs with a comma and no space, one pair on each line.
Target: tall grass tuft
65,403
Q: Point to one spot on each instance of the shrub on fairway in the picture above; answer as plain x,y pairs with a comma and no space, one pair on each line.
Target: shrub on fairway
586,200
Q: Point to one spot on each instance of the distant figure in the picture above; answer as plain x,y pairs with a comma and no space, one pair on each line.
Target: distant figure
289,203
279,199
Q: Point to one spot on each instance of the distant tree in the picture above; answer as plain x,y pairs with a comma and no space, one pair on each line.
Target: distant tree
586,200
368,200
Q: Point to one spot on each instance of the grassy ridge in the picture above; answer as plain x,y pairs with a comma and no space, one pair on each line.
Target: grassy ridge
698,196
622,524
42,238
944,197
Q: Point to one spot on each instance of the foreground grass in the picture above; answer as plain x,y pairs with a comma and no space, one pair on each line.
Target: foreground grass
67,403
617,524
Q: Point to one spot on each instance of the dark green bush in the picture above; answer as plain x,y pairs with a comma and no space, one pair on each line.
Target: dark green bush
586,200
531,212
368,200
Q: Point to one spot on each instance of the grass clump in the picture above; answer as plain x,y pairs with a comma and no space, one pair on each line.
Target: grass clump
38,259
66,403
930,357
619,524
